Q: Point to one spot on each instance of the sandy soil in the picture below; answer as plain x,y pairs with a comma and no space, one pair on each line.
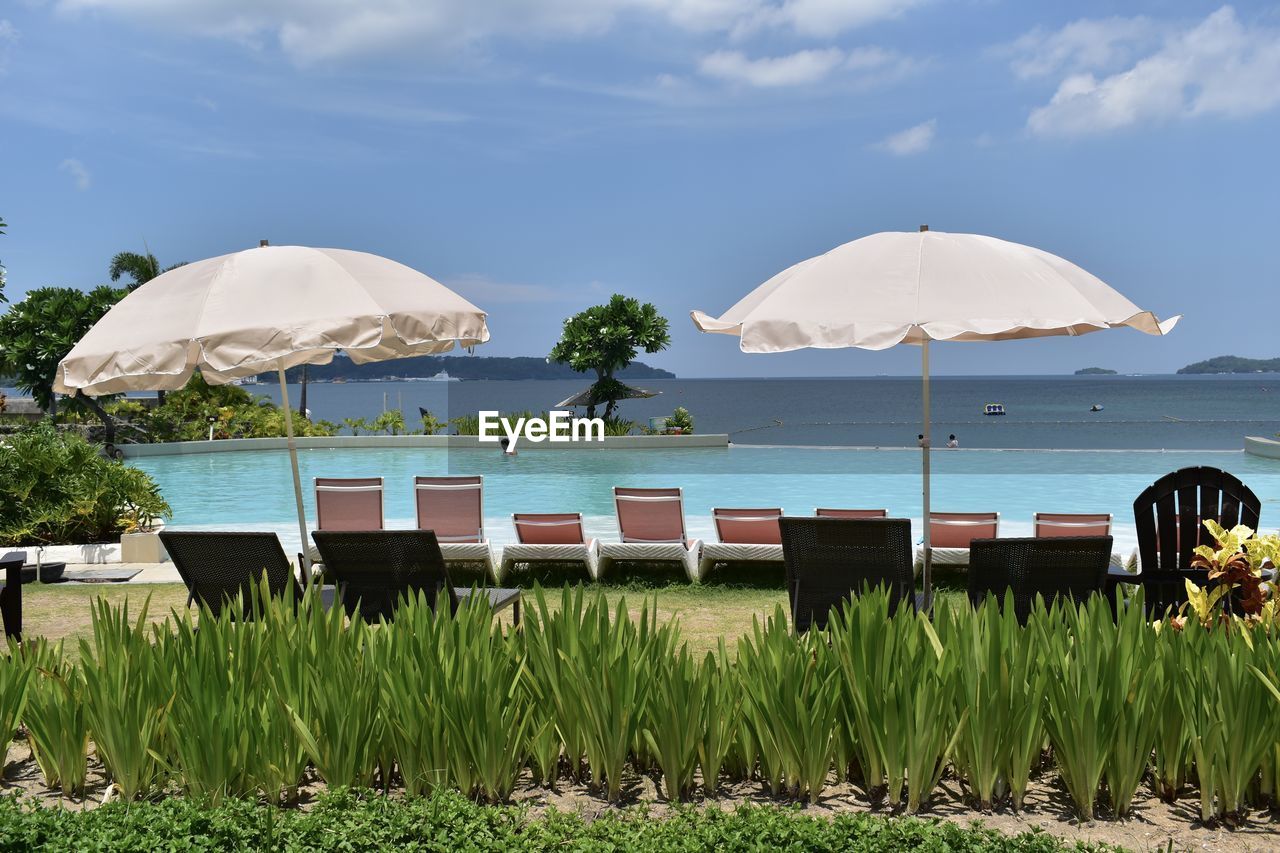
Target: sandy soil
1154,825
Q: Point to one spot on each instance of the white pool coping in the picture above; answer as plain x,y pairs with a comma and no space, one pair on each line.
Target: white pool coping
1268,448
469,442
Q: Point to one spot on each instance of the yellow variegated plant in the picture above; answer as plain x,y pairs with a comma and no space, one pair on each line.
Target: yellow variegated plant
1235,565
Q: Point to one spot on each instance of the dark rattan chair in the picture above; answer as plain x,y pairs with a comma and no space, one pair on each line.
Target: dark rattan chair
375,569
1169,515
829,560
11,596
1072,567
217,567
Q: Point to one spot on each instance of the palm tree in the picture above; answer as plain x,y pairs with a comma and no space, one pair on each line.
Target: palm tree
141,269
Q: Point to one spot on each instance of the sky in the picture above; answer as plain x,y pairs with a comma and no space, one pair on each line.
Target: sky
539,155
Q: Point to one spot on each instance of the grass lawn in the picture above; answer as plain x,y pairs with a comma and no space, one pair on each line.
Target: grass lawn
707,612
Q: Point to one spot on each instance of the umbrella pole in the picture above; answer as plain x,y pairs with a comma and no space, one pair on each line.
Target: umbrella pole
297,478
924,464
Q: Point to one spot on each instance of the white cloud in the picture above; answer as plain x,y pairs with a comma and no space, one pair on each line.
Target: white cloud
311,31
913,140
1217,67
827,18
805,66
863,65
1084,45
8,38
78,171
481,289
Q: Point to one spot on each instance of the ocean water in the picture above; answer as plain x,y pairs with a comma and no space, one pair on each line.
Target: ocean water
1149,412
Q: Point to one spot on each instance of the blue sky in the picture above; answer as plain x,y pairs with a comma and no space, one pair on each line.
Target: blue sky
538,156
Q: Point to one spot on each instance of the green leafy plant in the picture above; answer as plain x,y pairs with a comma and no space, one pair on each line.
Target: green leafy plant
606,338
56,488
680,421
391,422
56,722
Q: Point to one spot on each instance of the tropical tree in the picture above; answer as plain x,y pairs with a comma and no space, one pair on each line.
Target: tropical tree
139,268
38,331
605,339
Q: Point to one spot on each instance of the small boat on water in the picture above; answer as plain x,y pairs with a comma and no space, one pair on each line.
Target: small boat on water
993,409
1096,407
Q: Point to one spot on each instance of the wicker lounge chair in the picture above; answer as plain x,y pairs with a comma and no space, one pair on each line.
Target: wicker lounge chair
1049,525
829,560
951,532
828,512
1169,515
453,508
746,536
651,526
1073,567
551,537
11,596
376,569
347,503
218,567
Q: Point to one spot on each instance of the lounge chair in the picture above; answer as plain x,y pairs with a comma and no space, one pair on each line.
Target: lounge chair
1049,525
218,567
453,507
377,569
1169,516
551,537
347,503
827,512
746,536
951,532
1072,567
651,526
829,560
11,596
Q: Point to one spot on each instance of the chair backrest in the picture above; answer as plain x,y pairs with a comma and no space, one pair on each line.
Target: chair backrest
828,560
958,529
453,507
1071,567
353,503
11,596
217,567
650,515
549,528
376,569
828,512
748,526
1051,524
1169,513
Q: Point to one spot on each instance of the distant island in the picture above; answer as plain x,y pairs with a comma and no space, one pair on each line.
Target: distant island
1095,371
459,367
1234,364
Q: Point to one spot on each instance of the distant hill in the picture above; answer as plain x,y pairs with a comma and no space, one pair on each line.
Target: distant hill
1234,364
1095,371
463,367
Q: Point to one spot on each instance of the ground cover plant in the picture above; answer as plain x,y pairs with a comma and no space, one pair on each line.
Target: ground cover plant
445,821
595,692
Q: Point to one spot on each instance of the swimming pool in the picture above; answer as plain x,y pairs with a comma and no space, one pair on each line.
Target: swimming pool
252,490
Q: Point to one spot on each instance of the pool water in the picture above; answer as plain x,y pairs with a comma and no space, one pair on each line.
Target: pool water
252,490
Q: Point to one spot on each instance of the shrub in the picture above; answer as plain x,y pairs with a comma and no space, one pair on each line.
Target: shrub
681,420
55,488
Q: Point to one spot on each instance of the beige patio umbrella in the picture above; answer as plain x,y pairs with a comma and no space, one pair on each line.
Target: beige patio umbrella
266,309
912,288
